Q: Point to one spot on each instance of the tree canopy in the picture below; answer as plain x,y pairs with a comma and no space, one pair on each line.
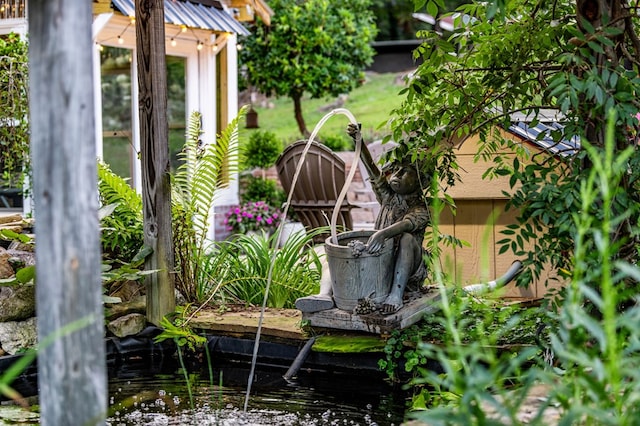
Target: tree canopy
314,47
578,59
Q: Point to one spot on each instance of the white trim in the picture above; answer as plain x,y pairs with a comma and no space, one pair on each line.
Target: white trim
229,196
135,126
19,26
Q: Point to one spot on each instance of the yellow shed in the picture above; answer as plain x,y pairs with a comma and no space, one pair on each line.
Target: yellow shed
477,199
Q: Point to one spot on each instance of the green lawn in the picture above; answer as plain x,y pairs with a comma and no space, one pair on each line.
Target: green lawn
371,104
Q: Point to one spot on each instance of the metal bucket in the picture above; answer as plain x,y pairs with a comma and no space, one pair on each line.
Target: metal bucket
356,275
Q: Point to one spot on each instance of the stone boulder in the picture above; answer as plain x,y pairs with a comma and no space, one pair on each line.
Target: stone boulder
17,302
18,335
12,260
6,270
127,325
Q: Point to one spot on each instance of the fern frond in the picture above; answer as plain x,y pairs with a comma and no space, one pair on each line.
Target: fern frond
182,179
206,169
115,189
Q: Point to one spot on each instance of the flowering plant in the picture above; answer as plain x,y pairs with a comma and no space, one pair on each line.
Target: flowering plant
252,216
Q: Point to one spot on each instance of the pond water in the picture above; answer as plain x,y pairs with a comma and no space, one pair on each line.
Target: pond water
162,397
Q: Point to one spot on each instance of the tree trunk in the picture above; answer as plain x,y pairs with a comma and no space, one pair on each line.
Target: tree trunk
154,148
297,110
72,367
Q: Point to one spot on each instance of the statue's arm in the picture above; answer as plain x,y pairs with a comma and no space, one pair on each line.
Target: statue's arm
376,241
365,155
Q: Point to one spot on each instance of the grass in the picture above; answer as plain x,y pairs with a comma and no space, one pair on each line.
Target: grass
371,104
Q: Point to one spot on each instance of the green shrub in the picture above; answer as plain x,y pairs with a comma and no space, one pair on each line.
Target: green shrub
338,143
261,150
259,189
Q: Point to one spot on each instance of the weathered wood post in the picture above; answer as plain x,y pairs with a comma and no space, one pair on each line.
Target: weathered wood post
71,369
154,148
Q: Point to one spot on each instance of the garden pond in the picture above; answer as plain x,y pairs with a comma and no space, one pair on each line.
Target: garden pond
149,384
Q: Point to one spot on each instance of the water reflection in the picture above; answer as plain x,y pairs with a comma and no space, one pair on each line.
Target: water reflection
217,397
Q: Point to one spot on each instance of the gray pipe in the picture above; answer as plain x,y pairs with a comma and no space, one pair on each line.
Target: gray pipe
300,359
482,288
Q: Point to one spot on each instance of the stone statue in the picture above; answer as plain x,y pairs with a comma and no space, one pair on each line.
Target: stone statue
404,216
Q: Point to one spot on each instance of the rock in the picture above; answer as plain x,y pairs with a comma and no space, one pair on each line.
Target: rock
17,302
127,325
19,246
27,257
18,335
6,271
127,290
12,260
137,305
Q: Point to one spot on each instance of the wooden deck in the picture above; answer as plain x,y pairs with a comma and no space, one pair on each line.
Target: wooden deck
416,305
292,325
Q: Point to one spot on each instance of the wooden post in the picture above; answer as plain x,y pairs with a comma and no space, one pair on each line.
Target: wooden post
72,368
154,148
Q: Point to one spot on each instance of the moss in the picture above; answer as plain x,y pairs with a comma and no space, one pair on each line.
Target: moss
349,344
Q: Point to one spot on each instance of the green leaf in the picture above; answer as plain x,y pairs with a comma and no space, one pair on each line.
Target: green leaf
26,274
142,254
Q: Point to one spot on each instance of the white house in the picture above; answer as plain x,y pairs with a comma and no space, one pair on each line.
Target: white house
201,36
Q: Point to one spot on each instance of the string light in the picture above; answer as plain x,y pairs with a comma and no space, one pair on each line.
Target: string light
174,42
120,39
200,45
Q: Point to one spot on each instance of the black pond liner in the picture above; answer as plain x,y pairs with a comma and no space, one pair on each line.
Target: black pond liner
135,355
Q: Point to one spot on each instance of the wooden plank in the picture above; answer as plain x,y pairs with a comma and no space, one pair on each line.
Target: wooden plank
154,148
12,218
447,259
473,186
72,375
101,6
504,260
473,224
415,308
282,323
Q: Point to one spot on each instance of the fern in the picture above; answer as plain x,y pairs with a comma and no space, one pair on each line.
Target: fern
195,184
115,189
122,235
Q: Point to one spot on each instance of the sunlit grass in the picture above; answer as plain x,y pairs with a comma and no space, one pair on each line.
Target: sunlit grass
371,104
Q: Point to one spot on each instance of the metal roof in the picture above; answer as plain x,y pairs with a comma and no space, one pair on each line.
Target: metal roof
540,134
192,15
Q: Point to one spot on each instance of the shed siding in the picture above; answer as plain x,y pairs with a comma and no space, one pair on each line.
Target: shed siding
480,218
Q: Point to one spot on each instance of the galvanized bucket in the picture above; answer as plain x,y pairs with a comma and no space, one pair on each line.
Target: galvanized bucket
356,273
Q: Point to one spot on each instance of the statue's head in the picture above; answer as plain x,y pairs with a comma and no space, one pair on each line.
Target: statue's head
402,177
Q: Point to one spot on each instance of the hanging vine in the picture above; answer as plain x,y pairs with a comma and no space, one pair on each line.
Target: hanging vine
14,111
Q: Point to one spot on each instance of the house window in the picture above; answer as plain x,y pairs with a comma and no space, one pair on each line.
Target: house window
119,149
176,106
